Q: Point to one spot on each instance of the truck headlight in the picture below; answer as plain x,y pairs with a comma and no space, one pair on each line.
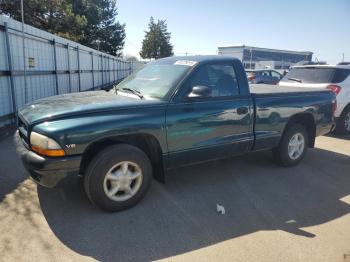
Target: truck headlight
45,146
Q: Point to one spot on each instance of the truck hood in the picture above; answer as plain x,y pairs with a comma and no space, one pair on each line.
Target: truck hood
61,106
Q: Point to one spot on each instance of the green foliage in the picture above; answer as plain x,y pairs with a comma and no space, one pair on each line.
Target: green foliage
54,16
101,25
156,43
84,21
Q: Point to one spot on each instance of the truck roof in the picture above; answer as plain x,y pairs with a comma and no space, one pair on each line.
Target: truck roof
201,58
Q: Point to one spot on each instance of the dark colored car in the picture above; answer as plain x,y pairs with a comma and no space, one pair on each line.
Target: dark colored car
271,77
173,112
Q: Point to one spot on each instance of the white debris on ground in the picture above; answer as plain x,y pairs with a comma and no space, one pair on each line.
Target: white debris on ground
220,209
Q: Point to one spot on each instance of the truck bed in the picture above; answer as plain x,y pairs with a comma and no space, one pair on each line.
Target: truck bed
264,89
275,105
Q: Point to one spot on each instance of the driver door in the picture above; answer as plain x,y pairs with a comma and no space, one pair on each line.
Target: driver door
211,127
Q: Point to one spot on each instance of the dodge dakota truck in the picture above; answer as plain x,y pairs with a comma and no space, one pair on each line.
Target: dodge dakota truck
173,112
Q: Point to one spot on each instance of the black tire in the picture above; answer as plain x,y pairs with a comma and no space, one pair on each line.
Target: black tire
280,153
102,163
340,125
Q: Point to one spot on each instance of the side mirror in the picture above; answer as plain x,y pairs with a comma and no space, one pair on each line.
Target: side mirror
200,91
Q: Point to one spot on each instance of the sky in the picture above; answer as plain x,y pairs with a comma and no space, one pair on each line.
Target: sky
199,27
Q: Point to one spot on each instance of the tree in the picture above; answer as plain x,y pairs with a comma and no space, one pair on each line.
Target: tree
130,58
156,43
54,16
101,25
84,21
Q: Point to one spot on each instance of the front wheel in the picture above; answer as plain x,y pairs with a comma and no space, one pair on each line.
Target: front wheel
293,146
118,177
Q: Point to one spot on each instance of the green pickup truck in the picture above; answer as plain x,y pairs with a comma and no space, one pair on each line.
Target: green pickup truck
173,112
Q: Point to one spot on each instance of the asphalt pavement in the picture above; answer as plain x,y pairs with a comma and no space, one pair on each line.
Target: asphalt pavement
272,213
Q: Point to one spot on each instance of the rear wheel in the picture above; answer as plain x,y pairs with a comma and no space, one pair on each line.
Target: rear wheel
118,177
293,146
343,123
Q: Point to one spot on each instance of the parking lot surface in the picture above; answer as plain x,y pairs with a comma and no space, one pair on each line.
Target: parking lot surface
272,213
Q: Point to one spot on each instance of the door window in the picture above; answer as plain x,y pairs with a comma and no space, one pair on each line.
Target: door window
265,73
220,78
275,74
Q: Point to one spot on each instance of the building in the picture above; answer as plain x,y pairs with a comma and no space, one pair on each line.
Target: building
260,58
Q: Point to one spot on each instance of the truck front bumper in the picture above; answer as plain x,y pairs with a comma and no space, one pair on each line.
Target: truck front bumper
47,171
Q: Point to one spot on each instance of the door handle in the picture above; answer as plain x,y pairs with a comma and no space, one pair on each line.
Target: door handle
242,110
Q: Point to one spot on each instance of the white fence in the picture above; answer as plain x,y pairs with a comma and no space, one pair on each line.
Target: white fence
48,65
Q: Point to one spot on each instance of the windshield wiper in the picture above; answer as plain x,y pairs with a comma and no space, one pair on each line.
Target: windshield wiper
133,91
295,79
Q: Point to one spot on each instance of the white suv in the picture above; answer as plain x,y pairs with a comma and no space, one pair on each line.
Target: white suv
333,77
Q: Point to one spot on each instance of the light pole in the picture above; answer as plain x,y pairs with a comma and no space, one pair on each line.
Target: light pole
24,55
251,57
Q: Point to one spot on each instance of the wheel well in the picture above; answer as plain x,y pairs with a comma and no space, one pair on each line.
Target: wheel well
308,121
147,143
345,108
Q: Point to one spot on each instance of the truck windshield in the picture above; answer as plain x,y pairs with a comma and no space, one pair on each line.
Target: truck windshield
155,79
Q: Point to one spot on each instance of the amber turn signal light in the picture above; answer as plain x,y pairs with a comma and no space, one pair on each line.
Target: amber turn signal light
48,152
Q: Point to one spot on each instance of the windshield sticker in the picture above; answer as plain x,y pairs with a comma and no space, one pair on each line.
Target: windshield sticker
185,62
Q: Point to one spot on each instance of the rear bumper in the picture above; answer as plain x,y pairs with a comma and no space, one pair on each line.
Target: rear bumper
47,171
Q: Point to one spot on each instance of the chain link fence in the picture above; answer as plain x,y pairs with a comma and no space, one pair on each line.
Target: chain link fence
36,64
